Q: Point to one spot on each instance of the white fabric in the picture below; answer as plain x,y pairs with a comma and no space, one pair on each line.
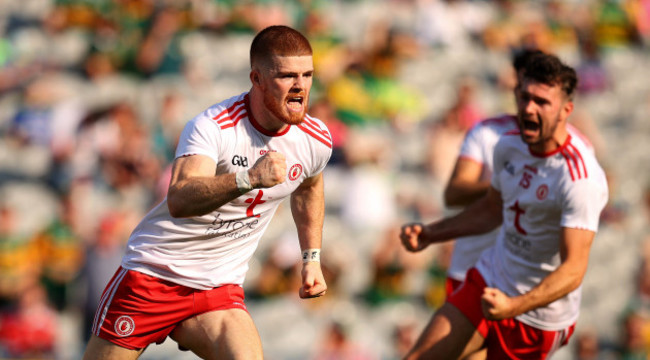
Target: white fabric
478,146
566,188
207,251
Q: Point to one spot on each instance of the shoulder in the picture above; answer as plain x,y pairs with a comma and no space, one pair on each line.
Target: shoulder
228,112
316,130
581,163
502,123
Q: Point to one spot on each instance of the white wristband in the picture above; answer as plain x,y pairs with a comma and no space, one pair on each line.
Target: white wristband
243,182
311,255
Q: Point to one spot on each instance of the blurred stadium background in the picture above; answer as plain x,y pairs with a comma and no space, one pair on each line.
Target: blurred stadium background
93,94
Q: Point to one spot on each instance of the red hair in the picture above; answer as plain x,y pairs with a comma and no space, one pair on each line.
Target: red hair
278,40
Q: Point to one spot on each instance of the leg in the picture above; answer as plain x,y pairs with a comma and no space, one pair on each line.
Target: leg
100,349
449,335
222,334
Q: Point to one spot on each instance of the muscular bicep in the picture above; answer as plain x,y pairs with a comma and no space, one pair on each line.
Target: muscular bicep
575,245
191,166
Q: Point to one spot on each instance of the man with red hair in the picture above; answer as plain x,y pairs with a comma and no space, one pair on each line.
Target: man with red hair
185,262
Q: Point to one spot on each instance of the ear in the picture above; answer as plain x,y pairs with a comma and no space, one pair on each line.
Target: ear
567,109
256,80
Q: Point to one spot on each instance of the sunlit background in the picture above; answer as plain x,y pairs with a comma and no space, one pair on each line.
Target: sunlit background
94,93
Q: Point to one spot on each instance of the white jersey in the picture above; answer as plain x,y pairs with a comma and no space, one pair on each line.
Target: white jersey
479,146
207,251
541,195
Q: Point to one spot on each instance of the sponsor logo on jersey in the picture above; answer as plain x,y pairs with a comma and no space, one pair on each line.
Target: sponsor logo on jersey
124,325
542,192
240,161
509,167
295,171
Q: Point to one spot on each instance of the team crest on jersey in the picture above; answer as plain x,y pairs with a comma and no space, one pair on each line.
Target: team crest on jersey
295,171
542,192
124,325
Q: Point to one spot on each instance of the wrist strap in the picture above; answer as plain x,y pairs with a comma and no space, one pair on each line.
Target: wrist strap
243,182
311,255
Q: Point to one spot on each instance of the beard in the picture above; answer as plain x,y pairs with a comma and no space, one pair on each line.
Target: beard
278,110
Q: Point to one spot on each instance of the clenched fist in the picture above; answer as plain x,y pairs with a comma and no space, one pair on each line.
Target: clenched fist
268,171
413,237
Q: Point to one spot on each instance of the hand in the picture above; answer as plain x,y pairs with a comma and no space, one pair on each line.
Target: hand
496,305
313,282
268,171
413,237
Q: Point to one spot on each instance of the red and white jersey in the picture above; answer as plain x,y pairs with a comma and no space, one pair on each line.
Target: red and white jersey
207,251
479,146
541,195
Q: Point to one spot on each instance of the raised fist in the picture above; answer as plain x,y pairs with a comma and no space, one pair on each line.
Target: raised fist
269,170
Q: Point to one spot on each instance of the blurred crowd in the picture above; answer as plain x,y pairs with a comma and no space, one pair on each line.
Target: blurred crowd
94,93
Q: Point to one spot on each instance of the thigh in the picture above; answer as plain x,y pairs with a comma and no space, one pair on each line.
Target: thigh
222,334
449,335
100,349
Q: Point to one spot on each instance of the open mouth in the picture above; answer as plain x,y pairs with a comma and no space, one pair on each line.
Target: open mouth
530,127
295,103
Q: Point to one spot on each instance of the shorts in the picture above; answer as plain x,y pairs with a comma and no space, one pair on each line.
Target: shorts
507,338
451,285
136,310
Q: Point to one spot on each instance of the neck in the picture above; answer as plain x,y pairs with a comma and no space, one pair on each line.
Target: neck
263,116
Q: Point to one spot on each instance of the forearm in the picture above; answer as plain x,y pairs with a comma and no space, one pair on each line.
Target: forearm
478,218
198,196
308,210
556,285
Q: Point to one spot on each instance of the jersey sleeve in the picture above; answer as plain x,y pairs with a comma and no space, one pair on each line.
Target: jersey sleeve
582,204
472,145
498,162
199,137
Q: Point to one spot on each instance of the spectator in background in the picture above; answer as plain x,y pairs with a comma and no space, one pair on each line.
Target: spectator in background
446,135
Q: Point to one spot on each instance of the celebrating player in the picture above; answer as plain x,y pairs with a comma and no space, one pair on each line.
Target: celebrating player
522,298
185,262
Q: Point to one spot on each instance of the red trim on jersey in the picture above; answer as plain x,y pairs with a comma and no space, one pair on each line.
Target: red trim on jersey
582,161
574,130
327,142
312,124
562,147
513,132
569,157
499,120
310,127
259,127
225,118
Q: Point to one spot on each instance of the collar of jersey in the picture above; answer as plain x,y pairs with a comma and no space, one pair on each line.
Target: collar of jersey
551,153
257,125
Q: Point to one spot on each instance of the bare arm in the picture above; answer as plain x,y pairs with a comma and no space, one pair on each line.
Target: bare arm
575,245
464,186
477,218
308,210
195,190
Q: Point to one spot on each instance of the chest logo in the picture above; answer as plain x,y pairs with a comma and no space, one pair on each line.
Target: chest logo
542,192
295,171
240,161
